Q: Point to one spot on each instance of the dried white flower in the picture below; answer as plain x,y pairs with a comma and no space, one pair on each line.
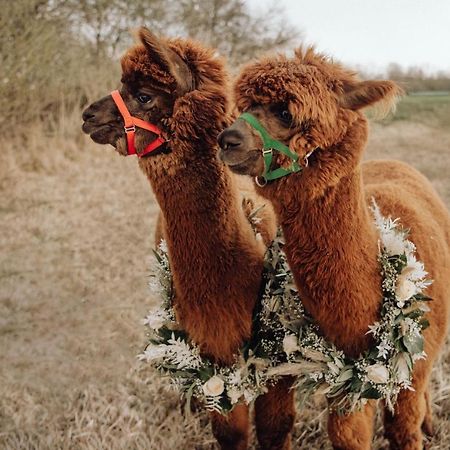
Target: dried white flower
377,373
156,318
290,344
153,353
415,270
234,394
393,243
214,386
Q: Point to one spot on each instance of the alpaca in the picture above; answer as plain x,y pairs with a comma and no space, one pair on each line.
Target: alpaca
313,105
215,258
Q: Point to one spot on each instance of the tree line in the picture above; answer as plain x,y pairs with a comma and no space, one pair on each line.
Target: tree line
57,53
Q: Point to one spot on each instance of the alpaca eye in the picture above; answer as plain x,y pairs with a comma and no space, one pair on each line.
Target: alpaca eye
285,116
143,98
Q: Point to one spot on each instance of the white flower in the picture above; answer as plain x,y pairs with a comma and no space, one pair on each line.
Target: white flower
377,373
393,243
214,386
384,347
249,396
404,290
156,319
155,286
408,326
415,270
153,353
163,246
182,354
374,329
234,394
290,344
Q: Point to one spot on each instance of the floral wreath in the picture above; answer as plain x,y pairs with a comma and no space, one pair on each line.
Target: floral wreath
285,340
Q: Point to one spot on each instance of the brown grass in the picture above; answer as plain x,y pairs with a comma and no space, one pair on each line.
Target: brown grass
77,223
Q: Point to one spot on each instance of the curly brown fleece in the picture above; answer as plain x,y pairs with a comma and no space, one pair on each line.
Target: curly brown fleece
331,240
215,258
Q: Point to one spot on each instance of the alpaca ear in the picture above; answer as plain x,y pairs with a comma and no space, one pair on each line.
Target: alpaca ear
367,93
167,59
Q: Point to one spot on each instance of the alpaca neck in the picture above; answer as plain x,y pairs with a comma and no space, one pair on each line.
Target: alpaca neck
215,259
332,248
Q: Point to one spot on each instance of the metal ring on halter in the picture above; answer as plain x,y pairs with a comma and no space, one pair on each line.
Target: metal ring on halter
306,158
258,183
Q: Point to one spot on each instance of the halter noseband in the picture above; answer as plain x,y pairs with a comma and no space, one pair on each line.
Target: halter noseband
130,124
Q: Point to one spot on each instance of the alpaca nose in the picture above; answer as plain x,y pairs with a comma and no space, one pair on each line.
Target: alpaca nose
88,113
230,139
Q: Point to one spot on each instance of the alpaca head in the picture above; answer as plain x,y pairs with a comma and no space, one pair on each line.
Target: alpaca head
307,102
158,75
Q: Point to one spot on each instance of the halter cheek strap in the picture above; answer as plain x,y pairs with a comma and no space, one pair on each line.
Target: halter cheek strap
269,145
130,124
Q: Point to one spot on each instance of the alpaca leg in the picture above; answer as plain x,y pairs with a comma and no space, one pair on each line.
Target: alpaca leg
352,431
427,424
275,416
231,431
403,429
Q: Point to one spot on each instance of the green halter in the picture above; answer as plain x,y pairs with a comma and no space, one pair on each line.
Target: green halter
270,144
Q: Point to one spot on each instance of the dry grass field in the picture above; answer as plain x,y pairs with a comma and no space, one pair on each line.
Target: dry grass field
77,230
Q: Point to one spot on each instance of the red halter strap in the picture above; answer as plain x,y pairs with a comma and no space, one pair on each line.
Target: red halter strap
130,124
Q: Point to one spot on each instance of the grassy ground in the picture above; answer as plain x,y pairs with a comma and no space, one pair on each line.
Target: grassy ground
433,110
77,223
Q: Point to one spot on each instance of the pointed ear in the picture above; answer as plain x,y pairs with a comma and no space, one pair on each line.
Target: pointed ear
167,59
367,93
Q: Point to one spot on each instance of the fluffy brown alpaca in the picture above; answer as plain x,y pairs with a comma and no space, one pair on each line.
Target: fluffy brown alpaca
215,258
310,103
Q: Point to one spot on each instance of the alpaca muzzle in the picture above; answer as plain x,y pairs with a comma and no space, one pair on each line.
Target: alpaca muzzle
130,124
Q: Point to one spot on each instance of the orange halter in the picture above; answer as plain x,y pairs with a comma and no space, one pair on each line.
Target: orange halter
130,124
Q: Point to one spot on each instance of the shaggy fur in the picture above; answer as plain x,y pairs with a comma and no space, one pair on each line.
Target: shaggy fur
214,255
331,240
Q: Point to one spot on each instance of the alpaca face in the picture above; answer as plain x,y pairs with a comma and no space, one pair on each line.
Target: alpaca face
306,102
104,124
153,77
241,145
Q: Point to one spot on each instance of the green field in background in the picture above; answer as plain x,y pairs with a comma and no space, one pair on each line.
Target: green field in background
430,109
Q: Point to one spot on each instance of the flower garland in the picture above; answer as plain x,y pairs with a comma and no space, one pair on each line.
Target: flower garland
285,341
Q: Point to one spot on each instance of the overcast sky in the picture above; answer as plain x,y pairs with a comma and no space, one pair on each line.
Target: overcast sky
373,33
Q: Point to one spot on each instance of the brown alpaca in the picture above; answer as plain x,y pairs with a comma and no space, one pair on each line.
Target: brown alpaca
312,104
215,258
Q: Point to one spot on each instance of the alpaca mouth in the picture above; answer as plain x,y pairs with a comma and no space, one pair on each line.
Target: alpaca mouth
241,166
100,134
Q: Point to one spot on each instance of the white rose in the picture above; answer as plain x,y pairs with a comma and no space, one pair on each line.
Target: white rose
290,344
377,373
404,289
393,244
402,368
214,386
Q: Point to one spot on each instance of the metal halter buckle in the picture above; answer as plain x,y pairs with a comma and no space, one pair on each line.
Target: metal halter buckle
129,129
266,151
